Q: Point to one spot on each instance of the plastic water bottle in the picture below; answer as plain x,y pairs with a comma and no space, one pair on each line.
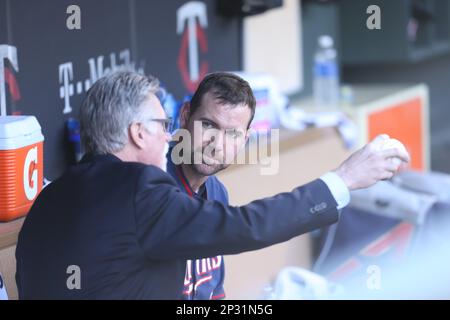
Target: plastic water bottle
326,74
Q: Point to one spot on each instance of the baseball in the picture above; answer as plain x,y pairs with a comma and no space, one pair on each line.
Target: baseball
391,144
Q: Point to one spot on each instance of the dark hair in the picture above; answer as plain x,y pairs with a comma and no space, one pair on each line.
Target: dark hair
227,88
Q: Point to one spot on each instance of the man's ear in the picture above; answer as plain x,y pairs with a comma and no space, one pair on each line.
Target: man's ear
136,133
185,114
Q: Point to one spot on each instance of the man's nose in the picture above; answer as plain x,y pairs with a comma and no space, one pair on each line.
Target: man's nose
218,141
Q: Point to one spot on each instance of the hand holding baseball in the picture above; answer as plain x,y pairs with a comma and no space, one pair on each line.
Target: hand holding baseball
378,160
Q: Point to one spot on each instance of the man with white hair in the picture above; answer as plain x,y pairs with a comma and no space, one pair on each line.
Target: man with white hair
116,226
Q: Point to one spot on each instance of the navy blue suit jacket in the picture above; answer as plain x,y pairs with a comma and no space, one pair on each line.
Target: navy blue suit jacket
129,229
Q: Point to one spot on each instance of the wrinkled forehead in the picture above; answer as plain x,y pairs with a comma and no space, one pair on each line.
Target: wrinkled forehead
224,114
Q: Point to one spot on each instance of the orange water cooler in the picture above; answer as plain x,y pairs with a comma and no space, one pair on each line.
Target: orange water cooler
21,165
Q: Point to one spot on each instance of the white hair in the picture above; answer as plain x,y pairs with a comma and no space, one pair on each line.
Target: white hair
110,106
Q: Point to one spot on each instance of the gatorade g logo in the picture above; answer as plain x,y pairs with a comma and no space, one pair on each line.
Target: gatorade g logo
30,174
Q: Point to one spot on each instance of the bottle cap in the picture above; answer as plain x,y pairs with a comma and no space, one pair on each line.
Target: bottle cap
326,41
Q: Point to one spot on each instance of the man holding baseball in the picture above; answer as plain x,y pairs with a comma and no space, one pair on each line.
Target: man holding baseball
125,225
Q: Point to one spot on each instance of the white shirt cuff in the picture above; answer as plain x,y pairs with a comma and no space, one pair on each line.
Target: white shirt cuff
338,188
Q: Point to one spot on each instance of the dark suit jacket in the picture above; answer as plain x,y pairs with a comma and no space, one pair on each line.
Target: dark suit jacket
126,229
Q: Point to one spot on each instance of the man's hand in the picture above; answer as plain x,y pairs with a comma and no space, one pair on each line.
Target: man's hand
370,164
